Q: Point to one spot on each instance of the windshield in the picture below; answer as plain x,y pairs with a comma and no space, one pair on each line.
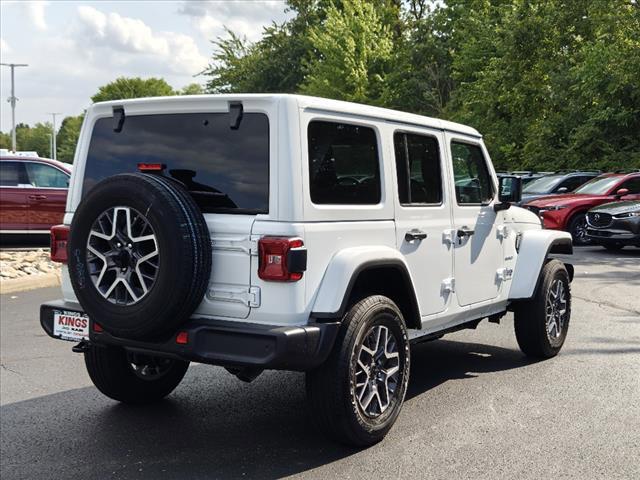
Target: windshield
598,186
543,184
226,170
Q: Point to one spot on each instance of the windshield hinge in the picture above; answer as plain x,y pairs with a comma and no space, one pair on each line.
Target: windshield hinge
235,112
503,231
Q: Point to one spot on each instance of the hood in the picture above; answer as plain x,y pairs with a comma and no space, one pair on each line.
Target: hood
564,199
616,208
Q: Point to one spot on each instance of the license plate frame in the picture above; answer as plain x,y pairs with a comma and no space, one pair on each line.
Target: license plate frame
71,326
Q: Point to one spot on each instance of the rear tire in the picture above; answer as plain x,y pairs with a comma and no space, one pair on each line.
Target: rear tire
541,324
354,396
134,379
613,247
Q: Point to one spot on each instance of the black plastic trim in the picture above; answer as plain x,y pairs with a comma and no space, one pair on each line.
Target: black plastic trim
320,316
225,343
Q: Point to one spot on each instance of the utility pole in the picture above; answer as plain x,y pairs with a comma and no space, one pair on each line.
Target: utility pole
50,145
53,133
12,100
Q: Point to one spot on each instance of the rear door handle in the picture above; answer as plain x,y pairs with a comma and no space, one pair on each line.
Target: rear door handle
414,234
37,197
464,232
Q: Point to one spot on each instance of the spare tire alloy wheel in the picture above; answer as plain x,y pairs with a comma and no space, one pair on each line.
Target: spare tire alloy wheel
122,255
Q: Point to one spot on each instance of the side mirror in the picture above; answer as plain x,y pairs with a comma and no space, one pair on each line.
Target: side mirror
622,192
509,191
563,190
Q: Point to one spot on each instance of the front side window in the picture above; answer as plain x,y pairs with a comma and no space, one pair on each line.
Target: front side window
633,185
472,178
225,170
45,176
11,174
343,164
418,168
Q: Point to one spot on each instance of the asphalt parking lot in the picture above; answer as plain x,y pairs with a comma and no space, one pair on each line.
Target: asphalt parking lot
476,408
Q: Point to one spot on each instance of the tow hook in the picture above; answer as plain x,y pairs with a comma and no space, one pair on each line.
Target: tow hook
82,347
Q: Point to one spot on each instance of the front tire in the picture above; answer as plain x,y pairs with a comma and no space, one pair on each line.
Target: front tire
613,247
357,394
578,229
541,324
134,379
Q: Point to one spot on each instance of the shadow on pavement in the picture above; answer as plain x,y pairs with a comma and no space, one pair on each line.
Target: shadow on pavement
213,426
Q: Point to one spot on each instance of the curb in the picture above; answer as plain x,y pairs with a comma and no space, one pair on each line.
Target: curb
30,282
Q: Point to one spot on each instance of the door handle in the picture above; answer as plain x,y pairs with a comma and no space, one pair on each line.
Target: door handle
464,232
37,197
414,234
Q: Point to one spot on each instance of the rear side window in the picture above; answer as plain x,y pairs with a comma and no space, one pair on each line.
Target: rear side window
12,174
473,181
45,176
343,164
418,167
226,170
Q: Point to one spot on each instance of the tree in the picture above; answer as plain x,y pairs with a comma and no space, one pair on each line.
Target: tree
133,87
34,139
192,89
353,51
5,140
67,137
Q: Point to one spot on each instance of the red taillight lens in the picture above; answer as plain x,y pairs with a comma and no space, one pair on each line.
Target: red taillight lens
59,238
150,167
282,259
182,338
97,328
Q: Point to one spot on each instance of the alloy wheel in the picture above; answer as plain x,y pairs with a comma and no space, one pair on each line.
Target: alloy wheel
377,371
556,311
122,255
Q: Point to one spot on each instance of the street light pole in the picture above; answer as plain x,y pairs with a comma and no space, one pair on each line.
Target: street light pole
53,114
12,100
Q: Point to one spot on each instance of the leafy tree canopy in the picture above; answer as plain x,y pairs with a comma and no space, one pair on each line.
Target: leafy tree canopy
133,87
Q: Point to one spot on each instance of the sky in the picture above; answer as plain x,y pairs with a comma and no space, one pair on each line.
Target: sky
74,47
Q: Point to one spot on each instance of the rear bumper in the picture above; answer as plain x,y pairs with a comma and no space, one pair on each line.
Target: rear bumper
225,343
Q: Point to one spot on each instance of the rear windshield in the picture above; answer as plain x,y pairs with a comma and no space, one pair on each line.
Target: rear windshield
226,170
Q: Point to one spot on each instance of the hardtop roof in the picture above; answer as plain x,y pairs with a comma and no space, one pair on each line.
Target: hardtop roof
311,103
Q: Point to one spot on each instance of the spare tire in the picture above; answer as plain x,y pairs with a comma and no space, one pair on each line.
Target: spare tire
139,255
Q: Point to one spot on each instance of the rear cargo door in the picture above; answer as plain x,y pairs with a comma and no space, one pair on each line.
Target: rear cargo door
229,293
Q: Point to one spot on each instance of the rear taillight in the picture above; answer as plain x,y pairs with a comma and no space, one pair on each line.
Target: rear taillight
282,259
59,237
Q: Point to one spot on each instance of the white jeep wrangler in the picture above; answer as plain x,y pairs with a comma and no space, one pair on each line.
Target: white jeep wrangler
287,232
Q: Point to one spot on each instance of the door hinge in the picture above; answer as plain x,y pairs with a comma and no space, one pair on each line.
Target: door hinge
504,273
448,236
449,285
503,231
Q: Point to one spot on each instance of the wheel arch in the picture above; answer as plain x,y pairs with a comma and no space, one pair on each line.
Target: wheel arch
355,273
535,248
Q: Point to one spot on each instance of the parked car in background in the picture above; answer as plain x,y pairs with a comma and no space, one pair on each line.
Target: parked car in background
33,194
555,183
568,211
615,225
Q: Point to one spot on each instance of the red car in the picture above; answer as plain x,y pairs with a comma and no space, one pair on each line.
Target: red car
568,211
33,194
